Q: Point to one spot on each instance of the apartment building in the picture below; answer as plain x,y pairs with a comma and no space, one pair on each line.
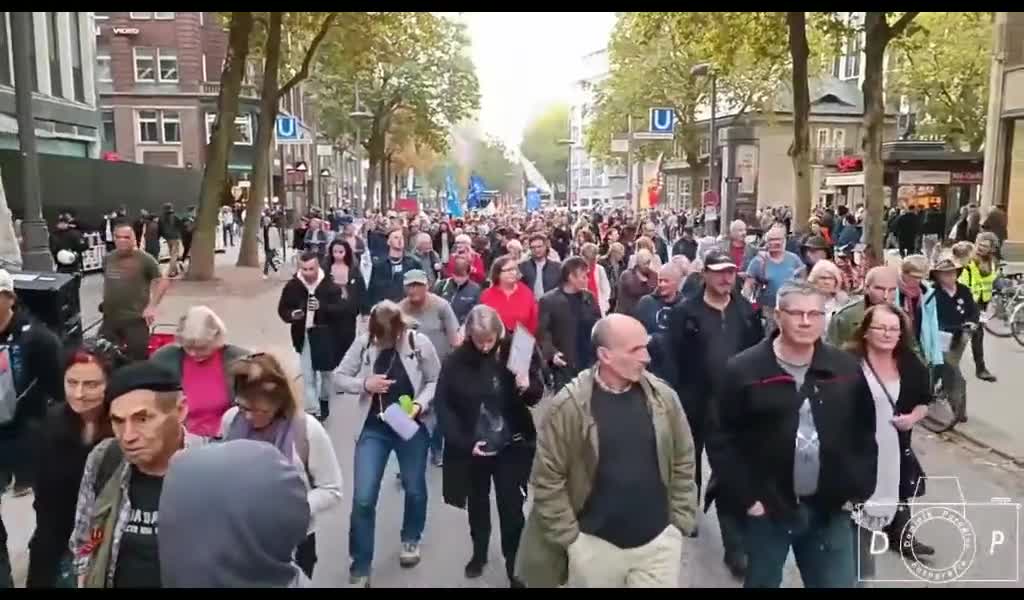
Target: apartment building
63,94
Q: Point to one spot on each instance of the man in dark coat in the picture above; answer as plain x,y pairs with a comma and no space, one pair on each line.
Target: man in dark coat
313,305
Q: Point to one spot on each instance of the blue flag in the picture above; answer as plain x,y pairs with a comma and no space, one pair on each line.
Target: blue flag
452,195
532,200
474,195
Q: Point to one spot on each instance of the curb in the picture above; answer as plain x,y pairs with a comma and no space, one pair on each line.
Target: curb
956,434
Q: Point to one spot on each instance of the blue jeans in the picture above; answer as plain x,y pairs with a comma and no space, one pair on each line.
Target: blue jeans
823,545
373,449
315,384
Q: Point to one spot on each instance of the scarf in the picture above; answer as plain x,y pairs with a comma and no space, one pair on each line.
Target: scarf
911,295
280,433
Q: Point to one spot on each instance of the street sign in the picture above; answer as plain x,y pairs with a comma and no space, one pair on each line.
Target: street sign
652,135
662,120
324,150
733,179
620,146
287,130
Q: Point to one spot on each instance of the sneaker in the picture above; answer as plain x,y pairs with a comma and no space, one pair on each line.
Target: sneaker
266,277
362,581
984,375
475,567
410,555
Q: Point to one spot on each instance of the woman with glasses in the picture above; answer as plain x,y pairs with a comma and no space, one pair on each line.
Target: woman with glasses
393,369
202,358
490,435
510,297
268,410
71,430
901,389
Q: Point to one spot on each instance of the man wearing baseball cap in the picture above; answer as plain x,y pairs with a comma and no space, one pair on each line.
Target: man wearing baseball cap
114,540
706,331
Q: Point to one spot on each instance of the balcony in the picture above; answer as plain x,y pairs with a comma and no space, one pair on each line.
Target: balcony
212,88
829,155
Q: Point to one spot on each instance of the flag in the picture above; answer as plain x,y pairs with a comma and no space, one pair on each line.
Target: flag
532,199
452,195
474,195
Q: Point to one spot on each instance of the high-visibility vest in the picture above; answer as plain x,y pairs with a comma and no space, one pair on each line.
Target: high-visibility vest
980,285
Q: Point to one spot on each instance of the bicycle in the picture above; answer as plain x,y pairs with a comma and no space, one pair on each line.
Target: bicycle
1017,323
1007,295
947,411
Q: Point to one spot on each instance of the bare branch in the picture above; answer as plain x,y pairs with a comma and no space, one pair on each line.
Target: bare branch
310,53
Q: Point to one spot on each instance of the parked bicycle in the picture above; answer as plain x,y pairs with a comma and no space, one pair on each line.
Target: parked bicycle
950,405
1007,296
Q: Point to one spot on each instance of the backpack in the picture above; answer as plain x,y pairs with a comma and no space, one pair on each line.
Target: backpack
112,458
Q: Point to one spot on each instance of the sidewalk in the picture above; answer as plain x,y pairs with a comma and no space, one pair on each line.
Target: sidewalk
996,410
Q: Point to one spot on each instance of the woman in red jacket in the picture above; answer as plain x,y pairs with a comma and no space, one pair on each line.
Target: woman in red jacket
513,301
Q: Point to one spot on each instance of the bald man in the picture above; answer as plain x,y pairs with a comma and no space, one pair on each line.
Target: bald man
623,527
880,287
652,310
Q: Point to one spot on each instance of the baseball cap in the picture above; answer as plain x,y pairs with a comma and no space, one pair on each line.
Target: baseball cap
415,276
717,260
142,375
6,282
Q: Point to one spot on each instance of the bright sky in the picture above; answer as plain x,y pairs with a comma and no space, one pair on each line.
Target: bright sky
527,60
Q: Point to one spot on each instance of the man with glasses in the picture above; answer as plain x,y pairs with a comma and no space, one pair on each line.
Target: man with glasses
793,443
767,271
880,287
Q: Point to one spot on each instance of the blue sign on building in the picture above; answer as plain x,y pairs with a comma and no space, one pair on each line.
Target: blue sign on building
288,129
663,120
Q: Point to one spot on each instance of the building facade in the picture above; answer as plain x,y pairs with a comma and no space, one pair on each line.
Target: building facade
593,182
64,99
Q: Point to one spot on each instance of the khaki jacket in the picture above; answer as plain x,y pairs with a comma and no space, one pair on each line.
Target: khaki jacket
565,466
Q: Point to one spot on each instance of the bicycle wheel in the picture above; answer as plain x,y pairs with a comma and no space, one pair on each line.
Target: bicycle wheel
1017,323
995,318
942,415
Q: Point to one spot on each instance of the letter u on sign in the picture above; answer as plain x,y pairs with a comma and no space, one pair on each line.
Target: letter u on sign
662,120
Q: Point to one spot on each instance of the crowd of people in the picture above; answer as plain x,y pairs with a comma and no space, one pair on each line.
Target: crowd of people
799,370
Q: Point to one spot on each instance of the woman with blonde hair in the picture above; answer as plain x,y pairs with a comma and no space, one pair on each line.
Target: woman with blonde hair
201,358
268,410
827,277
394,370
597,278
645,243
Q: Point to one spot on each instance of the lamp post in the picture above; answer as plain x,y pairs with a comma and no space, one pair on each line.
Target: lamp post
568,172
358,116
324,174
701,70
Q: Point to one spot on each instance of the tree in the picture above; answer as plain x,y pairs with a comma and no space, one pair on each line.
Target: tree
800,150
541,144
944,70
878,33
270,97
219,148
412,64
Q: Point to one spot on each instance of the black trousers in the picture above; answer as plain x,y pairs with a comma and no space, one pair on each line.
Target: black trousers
305,555
978,343
132,333
505,470
729,525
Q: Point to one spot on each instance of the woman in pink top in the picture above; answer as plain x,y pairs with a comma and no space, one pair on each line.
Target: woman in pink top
201,358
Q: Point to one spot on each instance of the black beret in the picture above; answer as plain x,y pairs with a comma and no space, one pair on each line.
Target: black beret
143,375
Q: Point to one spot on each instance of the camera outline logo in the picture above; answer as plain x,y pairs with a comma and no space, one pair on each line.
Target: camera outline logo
977,543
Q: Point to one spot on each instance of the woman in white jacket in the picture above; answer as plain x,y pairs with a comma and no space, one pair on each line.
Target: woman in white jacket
267,409
601,288
393,369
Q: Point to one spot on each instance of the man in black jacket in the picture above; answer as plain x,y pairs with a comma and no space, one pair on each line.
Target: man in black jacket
388,274
567,315
312,304
653,311
706,330
793,443
459,290
550,272
29,360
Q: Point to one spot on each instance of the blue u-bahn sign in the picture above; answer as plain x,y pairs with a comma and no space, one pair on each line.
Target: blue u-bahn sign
662,120
287,129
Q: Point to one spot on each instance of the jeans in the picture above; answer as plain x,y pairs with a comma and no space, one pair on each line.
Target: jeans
436,442
315,384
228,233
373,449
822,542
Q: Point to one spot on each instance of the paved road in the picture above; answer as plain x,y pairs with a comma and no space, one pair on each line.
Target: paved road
247,305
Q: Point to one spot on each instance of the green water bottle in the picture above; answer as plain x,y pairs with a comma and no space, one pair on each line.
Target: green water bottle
405,401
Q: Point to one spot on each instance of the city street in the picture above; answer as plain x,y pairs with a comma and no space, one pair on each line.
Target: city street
248,306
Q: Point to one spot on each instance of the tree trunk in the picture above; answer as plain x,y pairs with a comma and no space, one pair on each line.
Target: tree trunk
219,149
385,184
248,253
800,150
876,39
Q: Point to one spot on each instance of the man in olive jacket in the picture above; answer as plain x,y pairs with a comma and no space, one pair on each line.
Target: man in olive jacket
613,475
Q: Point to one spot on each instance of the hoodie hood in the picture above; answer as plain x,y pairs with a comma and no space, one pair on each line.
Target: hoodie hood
231,515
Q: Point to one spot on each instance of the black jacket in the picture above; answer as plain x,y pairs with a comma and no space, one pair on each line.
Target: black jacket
653,311
687,248
333,323
35,356
561,239
387,281
461,298
457,401
753,430
60,457
551,277
68,239
559,325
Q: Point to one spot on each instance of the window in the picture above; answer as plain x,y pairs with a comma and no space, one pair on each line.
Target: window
6,68
853,48
249,77
149,129
839,138
204,65
141,15
52,29
171,123
109,141
823,138
705,146
684,192
705,185
164,16
145,67
103,66
168,65
243,128
837,65
76,56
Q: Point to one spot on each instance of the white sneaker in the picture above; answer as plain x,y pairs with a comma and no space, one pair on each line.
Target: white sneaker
410,555
362,581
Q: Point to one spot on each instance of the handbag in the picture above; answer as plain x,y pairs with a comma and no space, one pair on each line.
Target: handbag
491,428
912,475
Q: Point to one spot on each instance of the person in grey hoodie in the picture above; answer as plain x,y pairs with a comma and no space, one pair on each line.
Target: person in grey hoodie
231,516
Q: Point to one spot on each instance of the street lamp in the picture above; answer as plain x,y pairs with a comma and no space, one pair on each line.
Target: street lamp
360,115
568,172
324,174
702,70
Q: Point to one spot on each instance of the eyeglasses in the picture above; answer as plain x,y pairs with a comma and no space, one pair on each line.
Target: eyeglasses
808,315
883,329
